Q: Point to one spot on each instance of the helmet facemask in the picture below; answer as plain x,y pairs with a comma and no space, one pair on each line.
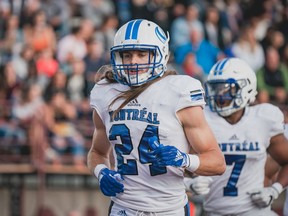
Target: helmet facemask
137,74
225,97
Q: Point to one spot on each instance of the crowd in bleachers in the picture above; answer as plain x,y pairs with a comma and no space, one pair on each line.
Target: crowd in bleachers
51,50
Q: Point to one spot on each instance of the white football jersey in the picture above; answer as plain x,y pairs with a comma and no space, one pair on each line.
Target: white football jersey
153,113
244,146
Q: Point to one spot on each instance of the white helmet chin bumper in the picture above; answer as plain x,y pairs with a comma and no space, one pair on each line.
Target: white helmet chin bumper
138,79
226,111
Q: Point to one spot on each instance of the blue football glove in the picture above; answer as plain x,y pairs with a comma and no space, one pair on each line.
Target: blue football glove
167,155
110,182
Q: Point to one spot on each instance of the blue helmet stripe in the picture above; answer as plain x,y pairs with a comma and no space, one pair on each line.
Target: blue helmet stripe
216,68
128,30
135,29
222,65
219,67
132,29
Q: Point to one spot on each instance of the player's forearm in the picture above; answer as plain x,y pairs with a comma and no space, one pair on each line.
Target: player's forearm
282,177
94,159
211,163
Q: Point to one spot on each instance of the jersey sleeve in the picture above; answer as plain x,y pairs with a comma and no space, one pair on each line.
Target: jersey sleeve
97,101
274,117
191,93
278,124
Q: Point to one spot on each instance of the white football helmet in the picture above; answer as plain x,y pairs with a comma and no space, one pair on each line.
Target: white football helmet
141,35
230,86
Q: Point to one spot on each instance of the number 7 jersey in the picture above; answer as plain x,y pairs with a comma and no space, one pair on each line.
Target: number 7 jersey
153,113
244,146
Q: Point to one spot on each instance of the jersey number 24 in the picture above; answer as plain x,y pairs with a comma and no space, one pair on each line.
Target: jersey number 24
129,166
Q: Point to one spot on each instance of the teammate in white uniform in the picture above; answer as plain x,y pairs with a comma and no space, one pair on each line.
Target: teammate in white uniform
245,134
150,119
272,168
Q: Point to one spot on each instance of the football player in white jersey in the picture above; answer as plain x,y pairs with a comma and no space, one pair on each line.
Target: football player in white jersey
150,118
245,134
272,168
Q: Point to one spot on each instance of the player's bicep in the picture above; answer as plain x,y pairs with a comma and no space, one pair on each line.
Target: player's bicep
278,148
197,129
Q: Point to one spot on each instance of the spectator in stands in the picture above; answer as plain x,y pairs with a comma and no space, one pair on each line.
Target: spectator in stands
73,45
46,63
98,10
58,82
46,66
273,38
22,63
12,39
246,47
28,12
139,9
123,10
215,30
106,33
94,59
57,13
9,84
5,14
234,16
177,10
261,17
78,91
160,10
32,71
77,84
56,94
30,103
272,79
181,26
40,35
190,67
12,137
10,132
31,111
64,138
206,53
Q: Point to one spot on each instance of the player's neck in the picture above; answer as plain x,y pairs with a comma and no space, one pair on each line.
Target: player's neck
235,117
